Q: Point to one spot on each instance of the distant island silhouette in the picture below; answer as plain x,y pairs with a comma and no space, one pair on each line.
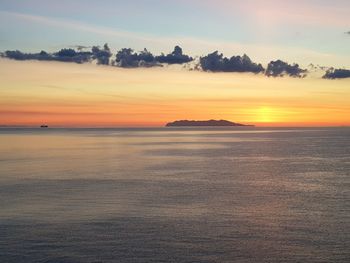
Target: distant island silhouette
208,123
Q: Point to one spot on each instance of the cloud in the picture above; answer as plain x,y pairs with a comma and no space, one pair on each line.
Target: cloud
197,45
64,55
275,13
71,24
108,32
216,62
175,57
337,74
70,55
18,55
280,68
127,58
101,55
348,33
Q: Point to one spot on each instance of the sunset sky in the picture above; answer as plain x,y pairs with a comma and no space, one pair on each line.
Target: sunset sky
69,94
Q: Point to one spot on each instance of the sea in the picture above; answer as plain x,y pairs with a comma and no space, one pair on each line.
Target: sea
235,194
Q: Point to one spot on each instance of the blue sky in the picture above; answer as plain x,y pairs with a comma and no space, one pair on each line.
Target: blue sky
298,31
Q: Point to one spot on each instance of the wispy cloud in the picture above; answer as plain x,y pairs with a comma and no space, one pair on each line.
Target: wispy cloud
196,46
274,12
74,25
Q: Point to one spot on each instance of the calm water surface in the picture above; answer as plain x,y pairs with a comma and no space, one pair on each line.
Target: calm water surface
175,195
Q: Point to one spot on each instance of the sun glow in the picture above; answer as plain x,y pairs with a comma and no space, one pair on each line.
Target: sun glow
89,95
266,114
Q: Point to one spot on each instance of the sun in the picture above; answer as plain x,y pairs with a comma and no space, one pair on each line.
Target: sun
265,114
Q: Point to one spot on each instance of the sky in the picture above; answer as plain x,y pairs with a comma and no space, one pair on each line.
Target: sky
66,94
302,31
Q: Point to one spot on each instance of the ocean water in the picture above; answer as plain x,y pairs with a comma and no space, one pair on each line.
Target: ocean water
175,195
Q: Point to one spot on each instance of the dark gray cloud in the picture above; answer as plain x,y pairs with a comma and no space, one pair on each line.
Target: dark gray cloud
337,74
280,68
70,55
216,62
347,32
175,57
127,58
64,55
18,55
102,55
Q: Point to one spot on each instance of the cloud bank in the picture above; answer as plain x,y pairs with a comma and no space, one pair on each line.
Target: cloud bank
337,74
216,62
280,68
212,62
64,55
127,58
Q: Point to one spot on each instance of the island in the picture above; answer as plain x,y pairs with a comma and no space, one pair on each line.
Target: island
208,123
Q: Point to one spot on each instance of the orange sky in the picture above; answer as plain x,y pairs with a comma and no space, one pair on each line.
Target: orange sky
63,94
